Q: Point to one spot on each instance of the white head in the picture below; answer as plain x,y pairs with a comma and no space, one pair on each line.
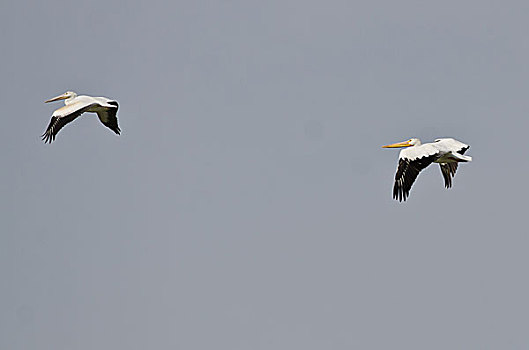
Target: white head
65,96
407,143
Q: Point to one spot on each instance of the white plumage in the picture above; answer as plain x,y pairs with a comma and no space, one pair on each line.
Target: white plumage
105,108
447,152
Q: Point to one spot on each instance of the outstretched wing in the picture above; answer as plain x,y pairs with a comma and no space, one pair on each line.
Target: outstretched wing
407,172
108,117
63,116
449,171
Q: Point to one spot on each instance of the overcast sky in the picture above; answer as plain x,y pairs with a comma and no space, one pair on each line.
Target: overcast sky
247,203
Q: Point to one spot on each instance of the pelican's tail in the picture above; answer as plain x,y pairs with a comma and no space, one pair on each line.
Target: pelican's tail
461,158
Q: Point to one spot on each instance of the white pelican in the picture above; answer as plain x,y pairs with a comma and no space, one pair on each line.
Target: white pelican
105,108
447,152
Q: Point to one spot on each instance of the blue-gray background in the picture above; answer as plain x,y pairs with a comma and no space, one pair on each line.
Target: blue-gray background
247,203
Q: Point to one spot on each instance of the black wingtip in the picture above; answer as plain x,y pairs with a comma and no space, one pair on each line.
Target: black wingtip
47,137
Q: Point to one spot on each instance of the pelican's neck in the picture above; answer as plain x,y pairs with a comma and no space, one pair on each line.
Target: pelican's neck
70,99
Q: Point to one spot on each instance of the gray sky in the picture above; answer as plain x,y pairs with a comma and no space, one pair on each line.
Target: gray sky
247,203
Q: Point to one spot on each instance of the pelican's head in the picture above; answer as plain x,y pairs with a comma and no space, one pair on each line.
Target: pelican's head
65,96
407,143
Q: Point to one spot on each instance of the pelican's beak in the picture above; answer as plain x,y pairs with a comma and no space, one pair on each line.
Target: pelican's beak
60,97
398,144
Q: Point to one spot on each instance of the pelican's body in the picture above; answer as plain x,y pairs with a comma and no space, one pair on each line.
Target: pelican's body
105,108
447,152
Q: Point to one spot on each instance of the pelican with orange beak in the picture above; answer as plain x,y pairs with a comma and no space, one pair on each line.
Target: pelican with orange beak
105,108
416,156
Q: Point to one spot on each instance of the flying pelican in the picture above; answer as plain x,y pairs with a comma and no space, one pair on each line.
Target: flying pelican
105,108
447,152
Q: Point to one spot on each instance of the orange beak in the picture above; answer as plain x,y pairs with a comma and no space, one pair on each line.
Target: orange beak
60,97
398,144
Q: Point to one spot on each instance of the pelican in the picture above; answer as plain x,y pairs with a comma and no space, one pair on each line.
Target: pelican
447,152
105,108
